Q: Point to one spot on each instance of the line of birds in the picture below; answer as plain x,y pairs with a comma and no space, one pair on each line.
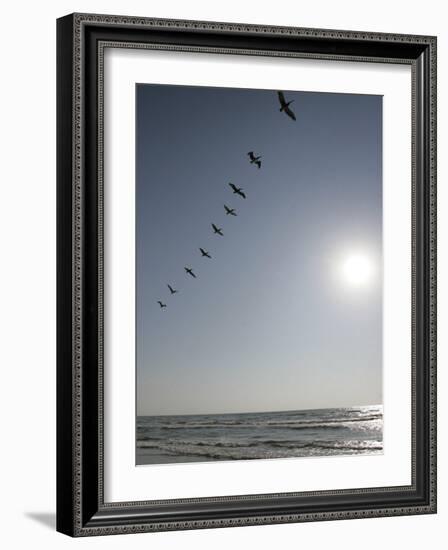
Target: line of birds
216,230
256,160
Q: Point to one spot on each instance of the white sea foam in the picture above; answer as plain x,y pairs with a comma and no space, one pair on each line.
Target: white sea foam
260,435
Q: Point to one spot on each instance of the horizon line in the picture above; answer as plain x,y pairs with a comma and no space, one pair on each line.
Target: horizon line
264,412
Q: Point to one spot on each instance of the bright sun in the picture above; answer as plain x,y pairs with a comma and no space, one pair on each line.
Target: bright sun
357,270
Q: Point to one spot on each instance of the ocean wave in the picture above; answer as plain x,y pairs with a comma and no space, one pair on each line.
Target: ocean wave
293,425
259,435
262,449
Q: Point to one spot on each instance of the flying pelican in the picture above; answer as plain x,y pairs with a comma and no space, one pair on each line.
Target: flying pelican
217,230
230,211
161,305
190,271
254,159
237,190
285,105
204,253
172,290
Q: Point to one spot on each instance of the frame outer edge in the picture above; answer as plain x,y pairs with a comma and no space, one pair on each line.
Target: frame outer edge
221,26
433,275
70,518
65,388
78,254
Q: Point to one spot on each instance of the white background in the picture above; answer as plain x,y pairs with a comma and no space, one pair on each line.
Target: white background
27,232
124,482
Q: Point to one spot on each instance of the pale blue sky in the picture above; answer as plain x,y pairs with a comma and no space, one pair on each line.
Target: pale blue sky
267,324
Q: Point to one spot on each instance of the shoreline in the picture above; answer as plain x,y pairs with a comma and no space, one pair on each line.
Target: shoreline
154,457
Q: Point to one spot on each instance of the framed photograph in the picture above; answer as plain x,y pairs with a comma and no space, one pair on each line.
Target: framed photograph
246,274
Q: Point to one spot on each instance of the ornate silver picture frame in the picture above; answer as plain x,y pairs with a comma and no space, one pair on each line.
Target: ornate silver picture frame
83,508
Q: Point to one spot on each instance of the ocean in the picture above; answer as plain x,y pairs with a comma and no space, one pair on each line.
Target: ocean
247,436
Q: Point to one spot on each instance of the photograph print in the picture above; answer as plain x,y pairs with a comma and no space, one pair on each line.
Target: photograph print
258,274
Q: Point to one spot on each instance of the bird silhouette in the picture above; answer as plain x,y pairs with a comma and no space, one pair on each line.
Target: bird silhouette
204,253
254,159
230,211
237,190
285,105
172,290
190,271
161,304
217,230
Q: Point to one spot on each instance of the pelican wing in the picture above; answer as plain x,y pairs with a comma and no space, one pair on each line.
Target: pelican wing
281,98
290,113
233,186
241,193
251,155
